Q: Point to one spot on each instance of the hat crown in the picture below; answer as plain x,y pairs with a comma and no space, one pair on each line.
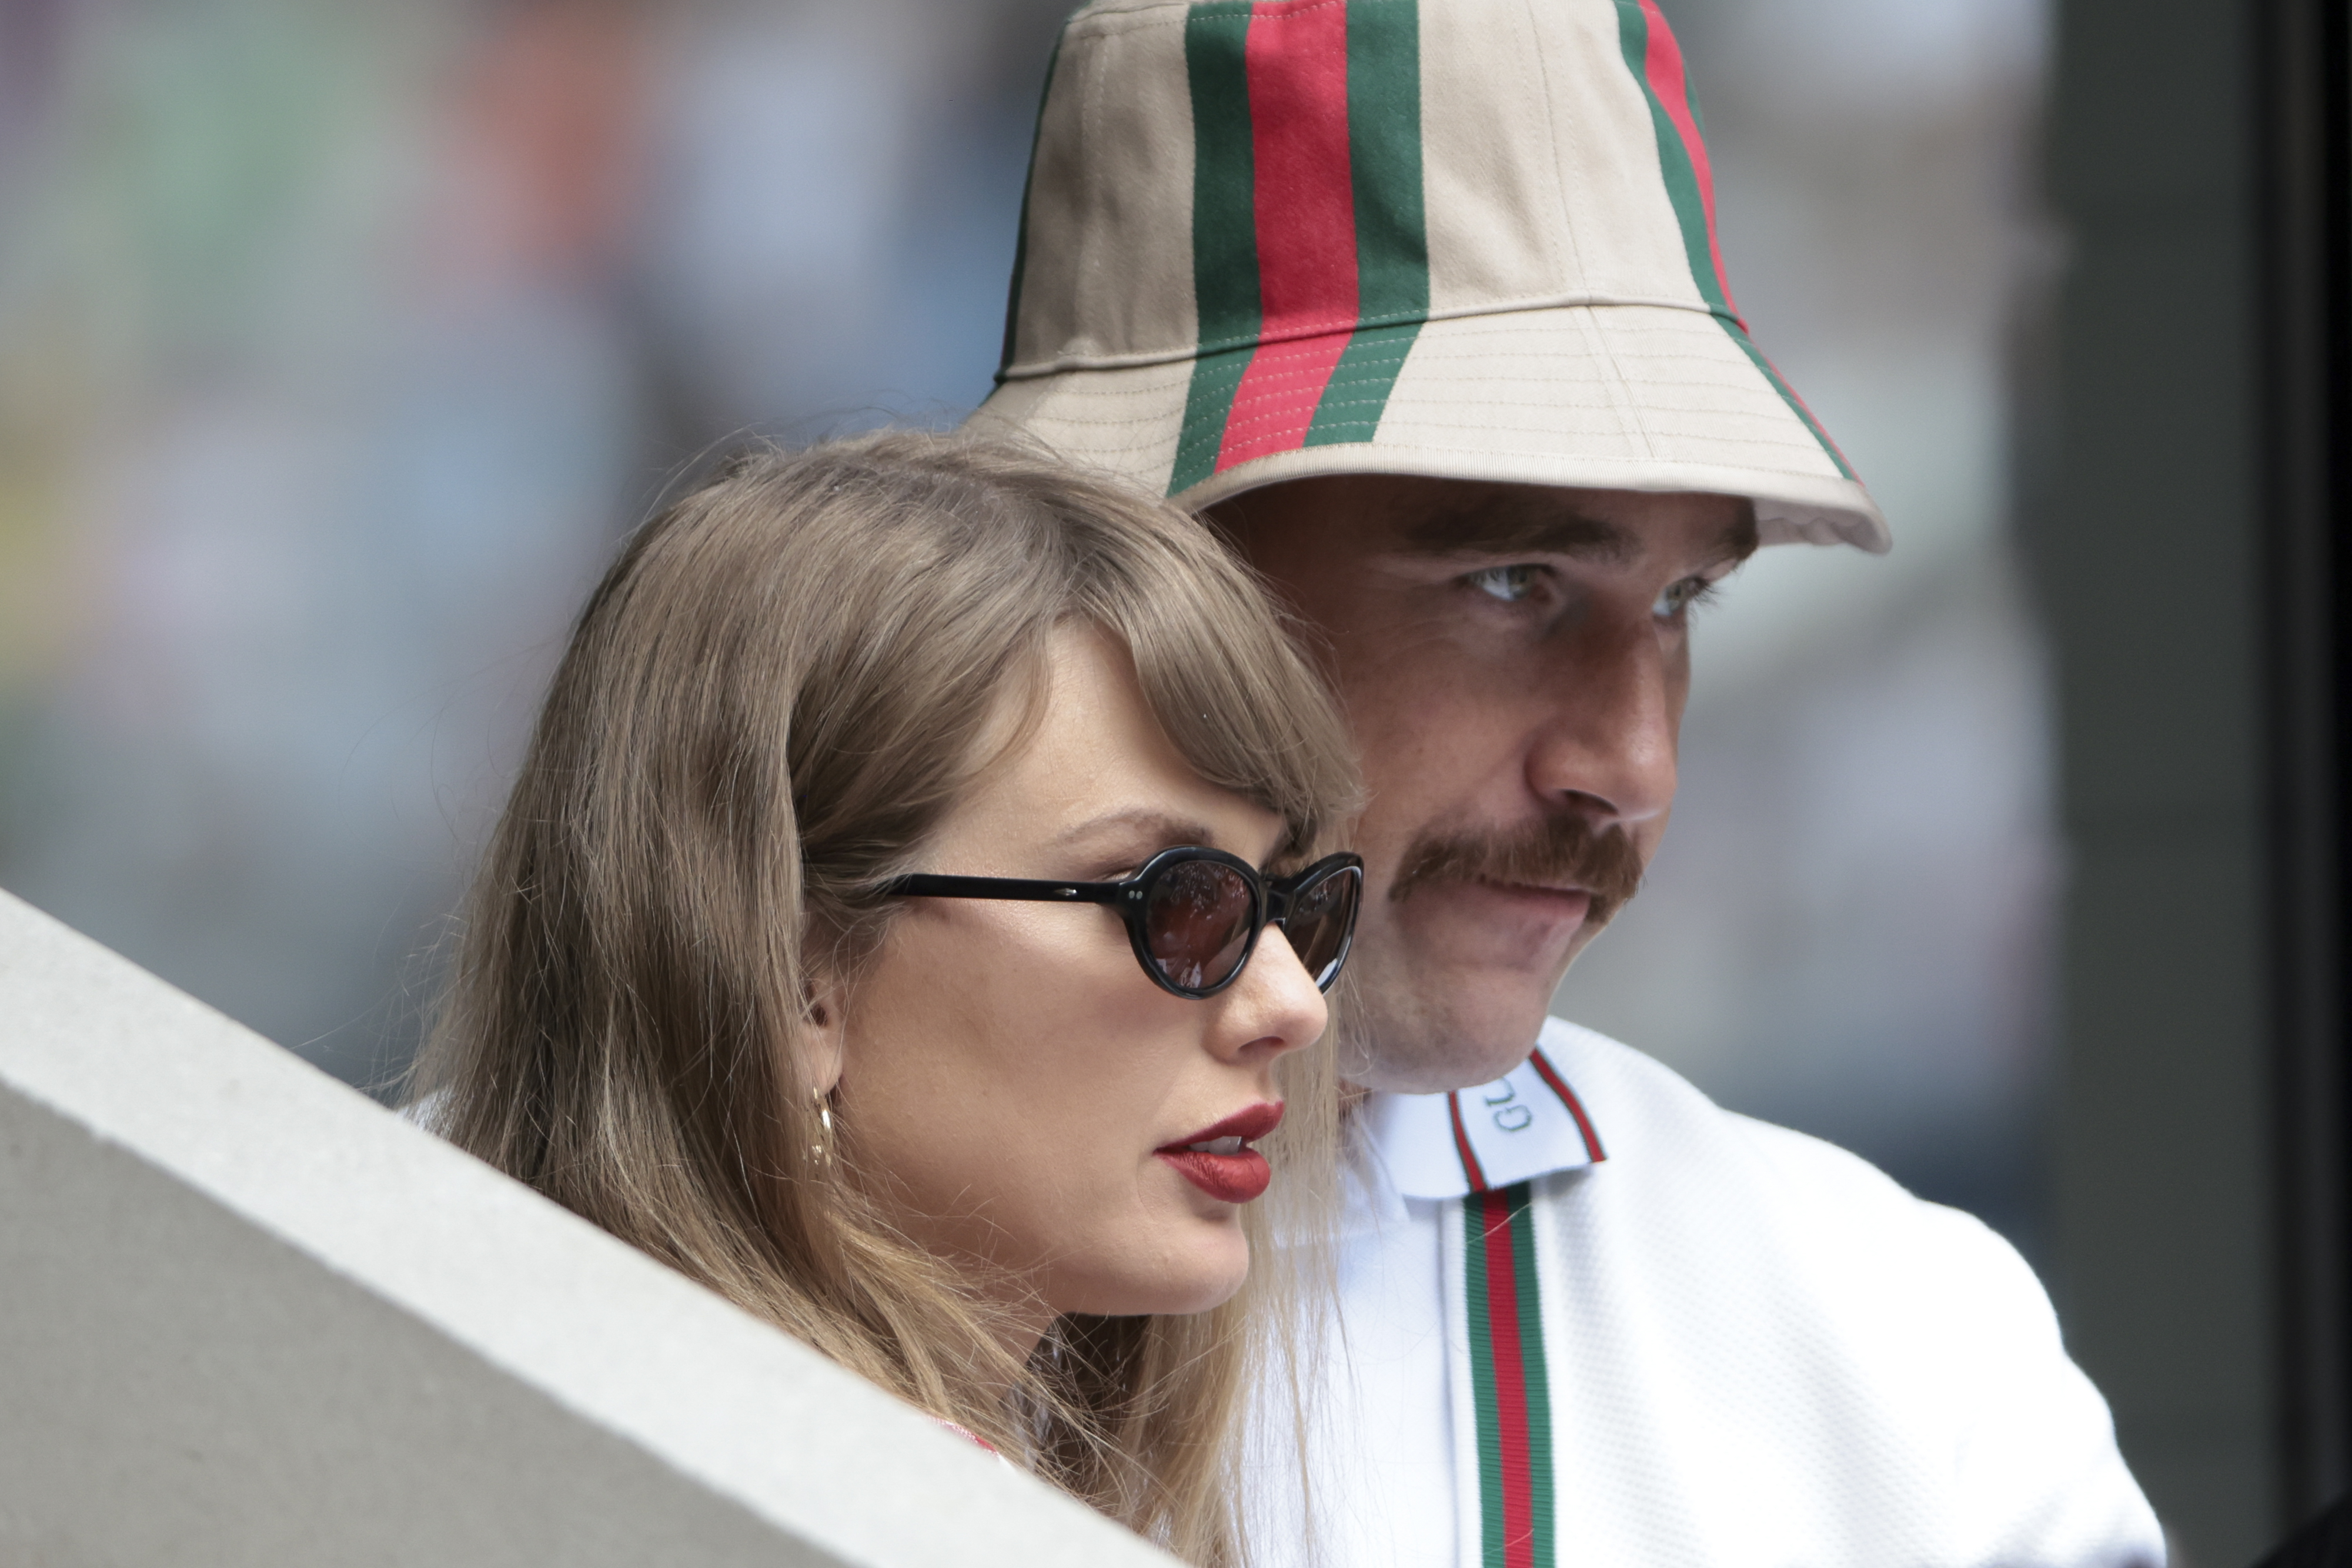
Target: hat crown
1221,174
1268,239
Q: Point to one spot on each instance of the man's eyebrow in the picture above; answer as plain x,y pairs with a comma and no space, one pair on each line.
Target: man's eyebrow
1520,528
1532,527
1741,540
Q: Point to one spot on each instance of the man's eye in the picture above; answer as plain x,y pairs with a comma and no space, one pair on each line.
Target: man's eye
1508,583
1683,598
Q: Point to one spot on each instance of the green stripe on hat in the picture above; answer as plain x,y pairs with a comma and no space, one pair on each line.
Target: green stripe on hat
1224,217
1655,59
1676,162
1384,153
1224,229
1789,395
1357,392
1207,401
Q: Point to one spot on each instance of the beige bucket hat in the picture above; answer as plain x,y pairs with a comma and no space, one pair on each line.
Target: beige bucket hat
1265,239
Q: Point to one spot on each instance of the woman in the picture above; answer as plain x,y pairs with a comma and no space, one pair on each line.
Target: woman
763,971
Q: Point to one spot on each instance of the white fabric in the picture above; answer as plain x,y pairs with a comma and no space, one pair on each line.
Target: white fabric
1763,1353
1517,1128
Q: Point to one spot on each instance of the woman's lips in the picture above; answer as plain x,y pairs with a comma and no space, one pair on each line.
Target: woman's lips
1228,1178
1218,1159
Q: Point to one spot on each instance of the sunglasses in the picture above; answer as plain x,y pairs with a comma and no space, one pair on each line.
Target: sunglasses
1193,916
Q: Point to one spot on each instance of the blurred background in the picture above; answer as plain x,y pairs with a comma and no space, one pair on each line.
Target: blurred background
339,342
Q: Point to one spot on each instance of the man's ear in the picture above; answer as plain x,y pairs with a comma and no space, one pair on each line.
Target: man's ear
824,1005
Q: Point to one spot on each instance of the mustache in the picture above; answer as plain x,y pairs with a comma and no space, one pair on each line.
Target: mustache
1558,851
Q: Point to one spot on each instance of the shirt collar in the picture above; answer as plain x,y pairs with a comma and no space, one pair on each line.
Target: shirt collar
1526,1124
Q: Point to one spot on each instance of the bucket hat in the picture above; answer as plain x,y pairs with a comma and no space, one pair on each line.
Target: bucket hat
1265,239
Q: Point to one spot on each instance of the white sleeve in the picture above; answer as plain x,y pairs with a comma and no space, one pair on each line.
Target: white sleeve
2038,1471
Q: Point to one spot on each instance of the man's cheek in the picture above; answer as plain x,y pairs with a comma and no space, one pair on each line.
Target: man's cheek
1432,705
1649,835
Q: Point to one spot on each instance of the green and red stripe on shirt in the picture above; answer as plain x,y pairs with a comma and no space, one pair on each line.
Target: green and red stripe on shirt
1510,1383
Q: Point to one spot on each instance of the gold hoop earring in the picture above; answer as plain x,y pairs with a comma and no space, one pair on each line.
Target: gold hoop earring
821,1152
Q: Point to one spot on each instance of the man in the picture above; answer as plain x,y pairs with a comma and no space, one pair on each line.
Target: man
1419,300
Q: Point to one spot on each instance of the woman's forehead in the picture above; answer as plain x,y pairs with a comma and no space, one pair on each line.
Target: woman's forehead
1096,771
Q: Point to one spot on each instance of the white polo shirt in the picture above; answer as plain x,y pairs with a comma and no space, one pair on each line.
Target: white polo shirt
1588,1316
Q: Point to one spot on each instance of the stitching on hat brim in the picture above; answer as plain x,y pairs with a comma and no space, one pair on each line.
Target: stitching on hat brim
1068,363
1705,361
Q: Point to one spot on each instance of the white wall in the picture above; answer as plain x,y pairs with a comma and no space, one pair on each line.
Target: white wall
249,1318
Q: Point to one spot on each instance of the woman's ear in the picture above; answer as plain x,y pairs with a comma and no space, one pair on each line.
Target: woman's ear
824,1003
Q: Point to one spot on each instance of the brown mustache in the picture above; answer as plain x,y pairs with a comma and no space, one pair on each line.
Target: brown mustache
1557,852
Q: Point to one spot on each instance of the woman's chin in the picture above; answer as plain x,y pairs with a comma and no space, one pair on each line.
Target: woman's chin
1202,1272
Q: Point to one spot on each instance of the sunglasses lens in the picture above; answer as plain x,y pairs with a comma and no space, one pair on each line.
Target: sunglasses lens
1322,915
1197,923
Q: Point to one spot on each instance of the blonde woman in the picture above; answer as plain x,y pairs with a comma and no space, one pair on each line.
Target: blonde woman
911,921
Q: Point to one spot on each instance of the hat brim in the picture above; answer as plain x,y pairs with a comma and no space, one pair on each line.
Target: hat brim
1616,397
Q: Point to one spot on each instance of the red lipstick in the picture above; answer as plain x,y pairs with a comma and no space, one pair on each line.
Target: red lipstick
1220,1162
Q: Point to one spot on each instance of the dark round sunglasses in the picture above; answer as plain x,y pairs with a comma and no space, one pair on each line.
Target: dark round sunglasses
1193,916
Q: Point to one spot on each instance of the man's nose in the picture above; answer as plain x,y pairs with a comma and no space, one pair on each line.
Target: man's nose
1607,734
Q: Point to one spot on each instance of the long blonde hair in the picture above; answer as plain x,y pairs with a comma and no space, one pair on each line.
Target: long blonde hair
766,707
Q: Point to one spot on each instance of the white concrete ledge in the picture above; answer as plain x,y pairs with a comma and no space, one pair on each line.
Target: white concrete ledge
249,1318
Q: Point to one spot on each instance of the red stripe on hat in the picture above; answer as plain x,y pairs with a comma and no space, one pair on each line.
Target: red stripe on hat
1493,1215
1297,58
1663,64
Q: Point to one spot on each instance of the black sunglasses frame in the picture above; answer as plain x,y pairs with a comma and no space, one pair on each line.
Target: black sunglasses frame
1271,899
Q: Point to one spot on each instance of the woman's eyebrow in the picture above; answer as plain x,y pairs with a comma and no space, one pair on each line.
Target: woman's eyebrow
1138,824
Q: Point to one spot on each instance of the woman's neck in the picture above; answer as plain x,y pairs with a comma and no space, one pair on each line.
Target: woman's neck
1020,1322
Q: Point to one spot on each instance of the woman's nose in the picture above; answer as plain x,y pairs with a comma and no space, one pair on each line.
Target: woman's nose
1273,1007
